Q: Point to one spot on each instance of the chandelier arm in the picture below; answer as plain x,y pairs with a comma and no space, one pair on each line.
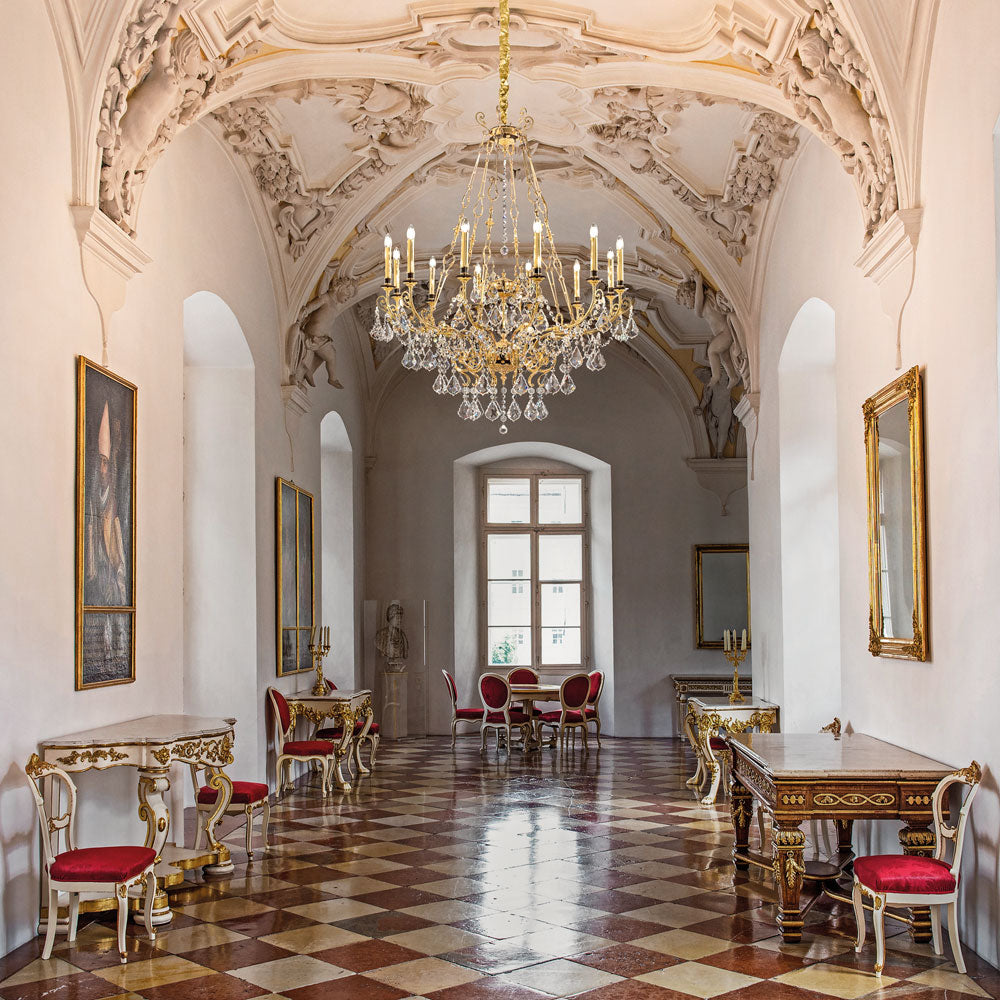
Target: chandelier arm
504,62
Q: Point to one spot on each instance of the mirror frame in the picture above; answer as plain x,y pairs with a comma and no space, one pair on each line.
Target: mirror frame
699,598
907,387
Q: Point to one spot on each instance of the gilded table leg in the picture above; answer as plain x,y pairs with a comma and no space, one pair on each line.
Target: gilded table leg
845,835
713,765
741,808
153,786
918,838
690,720
789,866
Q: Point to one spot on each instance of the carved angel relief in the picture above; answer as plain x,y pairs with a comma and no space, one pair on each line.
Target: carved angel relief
638,116
158,84
388,119
830,88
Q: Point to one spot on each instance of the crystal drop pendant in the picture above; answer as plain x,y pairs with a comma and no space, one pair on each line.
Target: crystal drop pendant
514,411
596,362
408,360
633,330
520,385
529,410
429,363
476,411
503,427
465,409
567,385
541,410
552,383
493,410
454,386
576,358
440,386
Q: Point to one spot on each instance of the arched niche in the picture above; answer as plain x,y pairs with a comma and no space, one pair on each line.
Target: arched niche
466,530
220,560
337,548
810,694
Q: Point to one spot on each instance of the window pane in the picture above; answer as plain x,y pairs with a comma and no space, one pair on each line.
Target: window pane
510,603
560,604
508,557
560,501
508,501
509,646
560,645
560,557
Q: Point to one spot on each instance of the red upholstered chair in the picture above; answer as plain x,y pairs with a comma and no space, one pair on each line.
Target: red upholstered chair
336,734
524,675
494,690
104,871
247,798
289,750
593,710
458,715
573,694
911,880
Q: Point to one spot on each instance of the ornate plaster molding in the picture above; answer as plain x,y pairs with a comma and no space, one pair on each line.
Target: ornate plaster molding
721,476
746,411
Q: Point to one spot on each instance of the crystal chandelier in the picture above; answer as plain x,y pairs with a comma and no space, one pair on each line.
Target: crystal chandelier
510,334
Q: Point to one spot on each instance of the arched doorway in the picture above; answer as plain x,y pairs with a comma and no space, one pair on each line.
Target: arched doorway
220,562
810,531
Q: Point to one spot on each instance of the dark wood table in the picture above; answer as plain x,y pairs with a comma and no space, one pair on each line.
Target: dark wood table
803,776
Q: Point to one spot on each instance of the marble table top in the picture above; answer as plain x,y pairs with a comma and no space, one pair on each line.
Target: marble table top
527,690
725,705
804,755
150,729
338,694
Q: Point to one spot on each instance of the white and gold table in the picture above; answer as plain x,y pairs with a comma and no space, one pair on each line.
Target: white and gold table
708,717
151,745
343,707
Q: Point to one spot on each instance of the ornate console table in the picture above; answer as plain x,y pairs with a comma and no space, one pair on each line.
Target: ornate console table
804,776
704,685
151,744
708,717
344,708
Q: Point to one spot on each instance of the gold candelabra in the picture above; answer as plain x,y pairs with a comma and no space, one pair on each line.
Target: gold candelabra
735,653
319,646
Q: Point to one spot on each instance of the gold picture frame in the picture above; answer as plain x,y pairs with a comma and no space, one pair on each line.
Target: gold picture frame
710,619
105,527
295,577
896,523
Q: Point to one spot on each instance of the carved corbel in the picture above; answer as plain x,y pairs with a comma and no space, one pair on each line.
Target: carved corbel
721,476
746,411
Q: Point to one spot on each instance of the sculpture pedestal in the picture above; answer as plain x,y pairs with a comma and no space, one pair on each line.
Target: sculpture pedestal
393,721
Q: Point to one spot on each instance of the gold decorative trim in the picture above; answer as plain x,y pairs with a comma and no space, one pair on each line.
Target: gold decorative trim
973,774
36,767
91,756
854,799
833,727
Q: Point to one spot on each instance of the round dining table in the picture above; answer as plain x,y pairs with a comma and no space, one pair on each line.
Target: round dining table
528,694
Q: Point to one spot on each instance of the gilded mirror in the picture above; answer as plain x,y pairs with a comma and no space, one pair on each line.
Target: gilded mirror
897,568
721,592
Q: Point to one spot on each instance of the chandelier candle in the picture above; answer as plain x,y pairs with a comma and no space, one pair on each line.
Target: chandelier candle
508,334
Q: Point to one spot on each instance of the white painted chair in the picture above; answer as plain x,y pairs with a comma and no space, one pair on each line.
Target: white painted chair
289,750
913,880
471,715
101,871
573,695
247,798
494,691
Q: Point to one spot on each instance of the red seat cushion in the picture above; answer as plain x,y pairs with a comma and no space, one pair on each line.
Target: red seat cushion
101,864
308,748
591,713
717,743
556,717
244,792
903,873
517,717
469,713
360,724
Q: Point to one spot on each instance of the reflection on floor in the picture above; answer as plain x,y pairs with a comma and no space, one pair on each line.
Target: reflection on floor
454,877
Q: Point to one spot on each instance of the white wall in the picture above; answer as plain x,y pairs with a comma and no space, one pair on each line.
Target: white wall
658,511
945,707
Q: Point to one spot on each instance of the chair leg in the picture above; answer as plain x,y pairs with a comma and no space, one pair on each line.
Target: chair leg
936,929
859,912
878,923
122,920
956,945
265,818
150,899
374,740
199,828
454,726
598,721
74,916
482,739
585,746
50,923
249,815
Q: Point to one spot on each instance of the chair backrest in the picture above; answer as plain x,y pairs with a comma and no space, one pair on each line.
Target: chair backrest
282,718
214,777
330,686
522,675
573,692
946,833
494,690
596,687
56,828
452,689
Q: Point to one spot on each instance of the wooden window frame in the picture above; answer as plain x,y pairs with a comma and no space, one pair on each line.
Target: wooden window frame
535,530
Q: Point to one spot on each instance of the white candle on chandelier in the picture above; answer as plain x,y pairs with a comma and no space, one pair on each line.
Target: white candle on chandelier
388,258
430,284
537,230
576,279
395,266
620,248
410,234
593,251
465,246
611,269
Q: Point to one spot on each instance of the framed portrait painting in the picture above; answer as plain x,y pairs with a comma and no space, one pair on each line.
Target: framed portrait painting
295,579
105,527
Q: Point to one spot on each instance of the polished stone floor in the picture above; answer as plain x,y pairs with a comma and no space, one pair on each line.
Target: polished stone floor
456,877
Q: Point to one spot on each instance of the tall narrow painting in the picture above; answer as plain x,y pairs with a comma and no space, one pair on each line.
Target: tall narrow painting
105,527
294,533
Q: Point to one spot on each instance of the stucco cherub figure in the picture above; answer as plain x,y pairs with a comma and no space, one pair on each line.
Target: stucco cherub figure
716,409
314,332
723,347
391,641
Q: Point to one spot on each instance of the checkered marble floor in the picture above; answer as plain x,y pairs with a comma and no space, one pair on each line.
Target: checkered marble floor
450,876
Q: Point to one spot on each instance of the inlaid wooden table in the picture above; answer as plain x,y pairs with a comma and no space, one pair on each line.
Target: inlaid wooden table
151,744
343,707
708,717
528,694
802,776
